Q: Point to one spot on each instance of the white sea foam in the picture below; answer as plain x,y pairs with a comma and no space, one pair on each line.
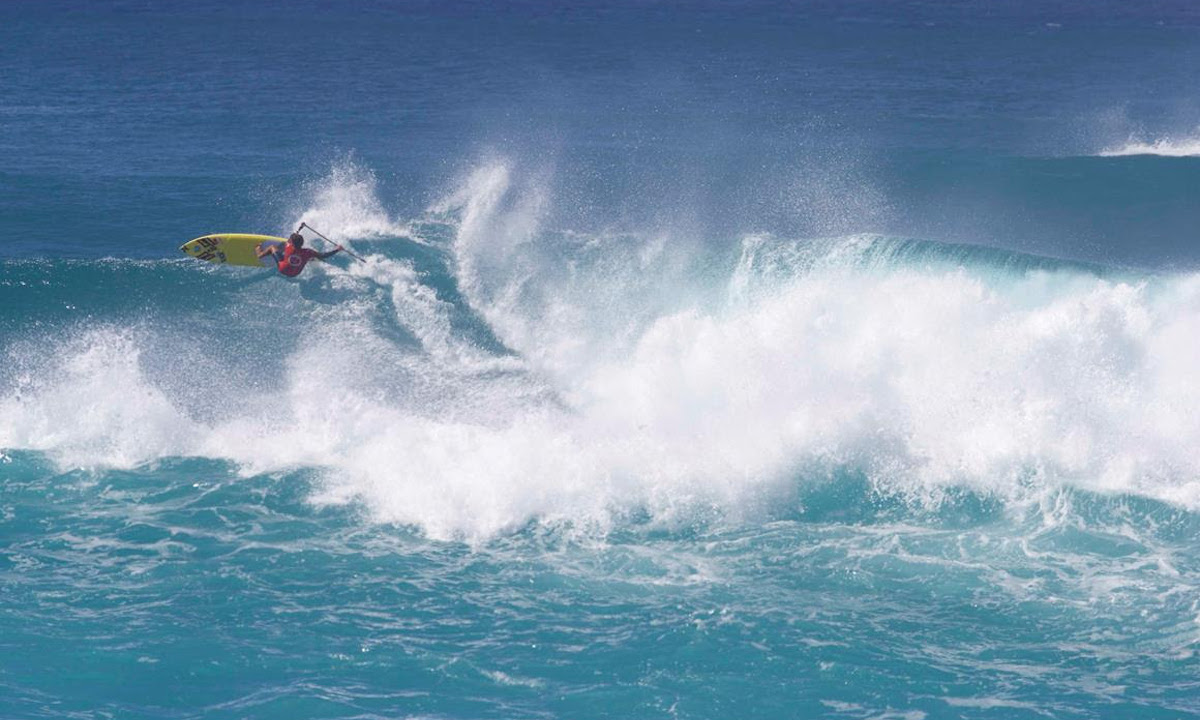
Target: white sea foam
93,405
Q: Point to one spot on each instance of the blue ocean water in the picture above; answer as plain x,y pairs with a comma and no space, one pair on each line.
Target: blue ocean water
708,360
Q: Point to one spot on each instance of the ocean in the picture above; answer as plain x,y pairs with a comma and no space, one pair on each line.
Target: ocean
715,360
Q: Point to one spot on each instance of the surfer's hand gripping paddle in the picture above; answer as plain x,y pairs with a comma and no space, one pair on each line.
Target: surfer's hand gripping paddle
318,233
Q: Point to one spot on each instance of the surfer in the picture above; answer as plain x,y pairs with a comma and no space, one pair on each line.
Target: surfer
292,257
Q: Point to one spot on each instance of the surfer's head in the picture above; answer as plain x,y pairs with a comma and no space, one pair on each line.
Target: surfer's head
297,239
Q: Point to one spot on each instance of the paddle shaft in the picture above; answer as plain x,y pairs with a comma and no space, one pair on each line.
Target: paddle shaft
318,232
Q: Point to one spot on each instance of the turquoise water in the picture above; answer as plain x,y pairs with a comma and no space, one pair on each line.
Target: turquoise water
719,361
153,592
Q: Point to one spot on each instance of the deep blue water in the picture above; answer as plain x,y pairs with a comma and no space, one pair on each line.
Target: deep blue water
719,360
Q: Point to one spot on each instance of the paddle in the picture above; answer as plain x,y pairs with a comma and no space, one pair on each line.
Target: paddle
318,232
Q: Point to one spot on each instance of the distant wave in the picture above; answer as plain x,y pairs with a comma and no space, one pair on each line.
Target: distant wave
1166,147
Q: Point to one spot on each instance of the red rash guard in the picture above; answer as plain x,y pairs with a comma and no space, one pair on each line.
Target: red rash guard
294,260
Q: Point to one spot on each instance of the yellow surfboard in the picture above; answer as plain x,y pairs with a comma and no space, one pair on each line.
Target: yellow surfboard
230,249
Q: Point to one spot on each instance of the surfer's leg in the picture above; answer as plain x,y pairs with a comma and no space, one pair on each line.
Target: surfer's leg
274,254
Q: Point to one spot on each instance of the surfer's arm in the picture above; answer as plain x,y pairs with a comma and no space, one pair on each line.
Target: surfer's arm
261,252
322,256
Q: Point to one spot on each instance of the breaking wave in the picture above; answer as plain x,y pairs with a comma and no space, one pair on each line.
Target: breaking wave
480,371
